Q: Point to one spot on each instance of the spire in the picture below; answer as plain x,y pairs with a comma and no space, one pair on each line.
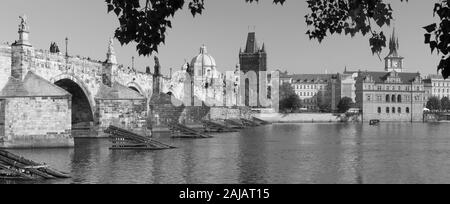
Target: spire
393,45
252,45
263,49
203,50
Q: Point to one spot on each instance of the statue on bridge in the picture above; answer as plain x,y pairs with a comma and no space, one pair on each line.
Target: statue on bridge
23,23
157,67
54,48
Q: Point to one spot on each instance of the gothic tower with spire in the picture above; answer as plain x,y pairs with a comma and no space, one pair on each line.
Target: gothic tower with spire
253,58
394,62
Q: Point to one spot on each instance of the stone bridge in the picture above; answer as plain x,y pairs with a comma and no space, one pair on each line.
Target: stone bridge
82,77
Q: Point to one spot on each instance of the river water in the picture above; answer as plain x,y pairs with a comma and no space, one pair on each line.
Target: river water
275,154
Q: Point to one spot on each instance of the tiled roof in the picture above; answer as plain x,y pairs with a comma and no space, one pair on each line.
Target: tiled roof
380,77
311,77
118,91
32,86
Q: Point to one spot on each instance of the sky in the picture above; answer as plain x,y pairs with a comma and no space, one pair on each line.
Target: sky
223,28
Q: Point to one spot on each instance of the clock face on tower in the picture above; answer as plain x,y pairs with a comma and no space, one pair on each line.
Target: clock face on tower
395,64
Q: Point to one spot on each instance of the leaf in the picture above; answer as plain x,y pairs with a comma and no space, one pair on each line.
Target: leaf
430,28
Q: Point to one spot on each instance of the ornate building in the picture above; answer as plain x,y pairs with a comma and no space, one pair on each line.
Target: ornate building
208,82
393,95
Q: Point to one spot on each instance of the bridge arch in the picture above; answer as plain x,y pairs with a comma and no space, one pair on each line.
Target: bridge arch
82,103
136,87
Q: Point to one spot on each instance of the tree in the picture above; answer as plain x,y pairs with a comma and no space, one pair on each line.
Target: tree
434,103
289,100
147,23
445,103
345,104
290,104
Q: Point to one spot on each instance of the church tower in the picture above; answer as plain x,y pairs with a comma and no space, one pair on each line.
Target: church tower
394,62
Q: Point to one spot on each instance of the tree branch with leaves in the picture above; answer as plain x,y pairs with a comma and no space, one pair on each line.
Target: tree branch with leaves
146,22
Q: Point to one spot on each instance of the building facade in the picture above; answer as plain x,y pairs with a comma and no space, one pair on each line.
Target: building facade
316,91
437,86
392,95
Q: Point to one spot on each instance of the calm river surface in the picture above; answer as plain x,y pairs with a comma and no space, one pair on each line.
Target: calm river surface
276,154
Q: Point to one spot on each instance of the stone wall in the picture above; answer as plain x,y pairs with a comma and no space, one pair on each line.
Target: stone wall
194,115
224,113
5,65
37,122
163,112
127,114
299,118
2,118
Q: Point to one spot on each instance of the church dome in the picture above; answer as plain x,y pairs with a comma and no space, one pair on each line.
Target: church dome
203,63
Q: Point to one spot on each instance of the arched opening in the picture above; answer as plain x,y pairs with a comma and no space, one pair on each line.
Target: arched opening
82,115
134,89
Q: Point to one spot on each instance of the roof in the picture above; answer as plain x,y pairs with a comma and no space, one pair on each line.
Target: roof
312,78
252,44
31,86
203,60
118,92
380,77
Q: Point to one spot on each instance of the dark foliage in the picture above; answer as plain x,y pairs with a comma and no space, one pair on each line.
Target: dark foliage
438,36
289,100
345,104
146,22
445,103
434,103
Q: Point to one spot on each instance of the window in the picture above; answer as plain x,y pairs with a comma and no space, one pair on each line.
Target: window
387,110
399,110
393,109
399,98
379,110
393,98
388,98
407,110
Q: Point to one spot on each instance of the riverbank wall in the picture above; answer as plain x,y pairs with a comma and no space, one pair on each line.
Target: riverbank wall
299,118
307,118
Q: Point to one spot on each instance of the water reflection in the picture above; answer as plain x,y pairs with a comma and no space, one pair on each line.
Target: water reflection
285,153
